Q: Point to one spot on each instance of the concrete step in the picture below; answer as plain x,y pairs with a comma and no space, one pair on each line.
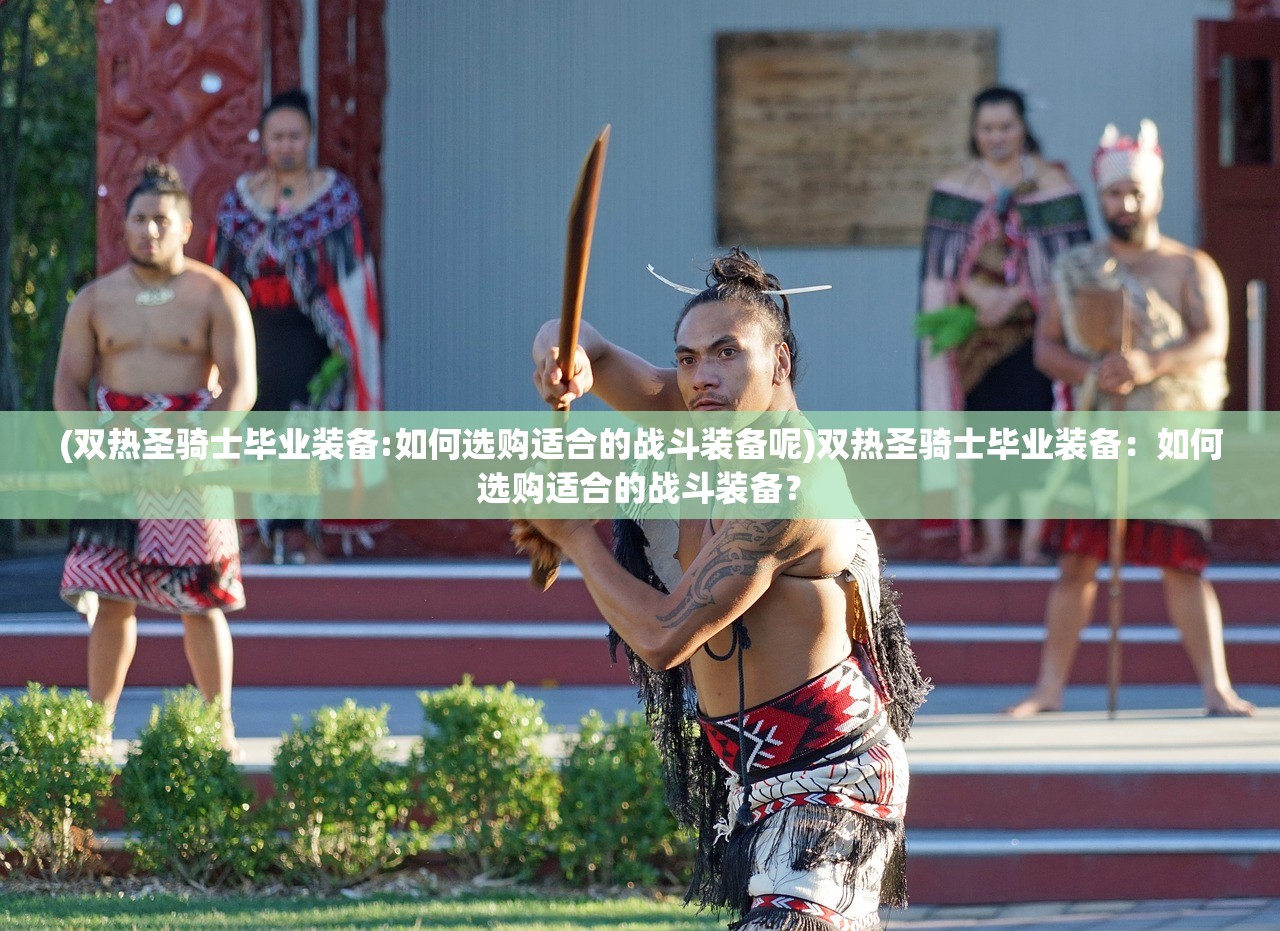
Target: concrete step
428,623
1016,594
972,867
500,589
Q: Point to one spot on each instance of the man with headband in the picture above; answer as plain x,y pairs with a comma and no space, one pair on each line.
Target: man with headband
1175,361
804,685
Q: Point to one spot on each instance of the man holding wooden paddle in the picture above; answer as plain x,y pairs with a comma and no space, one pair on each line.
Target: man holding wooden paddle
151,336
787,755
1136,322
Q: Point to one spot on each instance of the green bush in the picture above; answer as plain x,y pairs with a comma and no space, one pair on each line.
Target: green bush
339,797
53,777
615,827
186,799
485,777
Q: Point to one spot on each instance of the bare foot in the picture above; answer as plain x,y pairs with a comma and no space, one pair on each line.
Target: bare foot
1228,705
1035,703
257,553
1036,558
983,557
102,745
311,554
229,742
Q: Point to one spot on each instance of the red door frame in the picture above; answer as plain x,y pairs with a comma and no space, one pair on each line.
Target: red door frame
1240,204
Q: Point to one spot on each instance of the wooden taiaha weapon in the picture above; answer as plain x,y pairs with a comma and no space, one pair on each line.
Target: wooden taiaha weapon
544,558
1116,545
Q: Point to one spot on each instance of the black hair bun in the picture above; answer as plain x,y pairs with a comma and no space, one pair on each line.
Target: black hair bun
158,173
295,98
741,269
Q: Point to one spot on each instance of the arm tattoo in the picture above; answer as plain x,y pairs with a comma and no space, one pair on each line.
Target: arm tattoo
737,550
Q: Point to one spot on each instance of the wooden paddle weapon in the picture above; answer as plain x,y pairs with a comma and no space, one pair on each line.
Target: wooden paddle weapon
544,557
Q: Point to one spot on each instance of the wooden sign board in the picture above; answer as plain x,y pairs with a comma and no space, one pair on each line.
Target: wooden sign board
836,138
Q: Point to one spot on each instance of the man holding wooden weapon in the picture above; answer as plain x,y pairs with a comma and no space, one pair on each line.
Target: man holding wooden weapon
1136,322
153,335
773,666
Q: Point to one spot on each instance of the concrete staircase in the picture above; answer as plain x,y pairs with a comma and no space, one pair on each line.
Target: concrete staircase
428,623
1159,803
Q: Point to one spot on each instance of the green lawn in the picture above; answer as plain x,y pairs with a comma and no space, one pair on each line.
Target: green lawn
72,913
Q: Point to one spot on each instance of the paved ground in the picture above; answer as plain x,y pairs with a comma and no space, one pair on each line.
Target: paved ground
1152,730
1222,914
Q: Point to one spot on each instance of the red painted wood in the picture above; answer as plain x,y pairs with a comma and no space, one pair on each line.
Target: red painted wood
1143,664
372,661
1256,9
285,27
932,602
1240,203
383,661
414,599
1050,878
1111,800
352,83
153,102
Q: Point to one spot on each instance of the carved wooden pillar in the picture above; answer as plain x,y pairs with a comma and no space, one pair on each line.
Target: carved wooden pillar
350,90
1256,9
180,80
286,40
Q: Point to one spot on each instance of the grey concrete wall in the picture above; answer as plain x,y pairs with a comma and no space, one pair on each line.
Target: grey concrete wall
492,104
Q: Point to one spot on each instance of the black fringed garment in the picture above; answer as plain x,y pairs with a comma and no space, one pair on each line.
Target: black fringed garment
698,786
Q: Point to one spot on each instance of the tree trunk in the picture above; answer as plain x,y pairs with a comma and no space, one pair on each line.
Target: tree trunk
49,361
10,155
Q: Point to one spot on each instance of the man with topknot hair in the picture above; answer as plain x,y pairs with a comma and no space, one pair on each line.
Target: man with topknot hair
152,335
803,684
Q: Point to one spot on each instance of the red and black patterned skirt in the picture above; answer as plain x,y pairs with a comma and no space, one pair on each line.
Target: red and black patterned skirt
1147,542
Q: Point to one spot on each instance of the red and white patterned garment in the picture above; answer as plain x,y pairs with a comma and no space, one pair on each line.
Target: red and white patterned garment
826,744
180,566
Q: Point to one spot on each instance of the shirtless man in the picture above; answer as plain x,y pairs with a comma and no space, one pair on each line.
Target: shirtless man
154,335
1179,306
780,617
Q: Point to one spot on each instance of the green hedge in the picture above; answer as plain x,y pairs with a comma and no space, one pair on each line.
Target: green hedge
486,779
54,775
339,797
615,827
493,797
186,800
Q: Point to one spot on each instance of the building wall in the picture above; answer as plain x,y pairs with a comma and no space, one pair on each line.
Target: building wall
493,103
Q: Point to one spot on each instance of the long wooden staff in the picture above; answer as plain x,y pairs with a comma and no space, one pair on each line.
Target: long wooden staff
1119,527
544,559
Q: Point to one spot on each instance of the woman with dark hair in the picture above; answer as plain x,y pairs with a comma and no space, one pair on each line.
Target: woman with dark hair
993,228
290,236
